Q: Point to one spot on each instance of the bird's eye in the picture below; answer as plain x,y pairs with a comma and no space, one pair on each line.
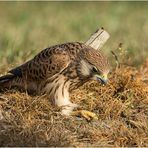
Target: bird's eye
95,69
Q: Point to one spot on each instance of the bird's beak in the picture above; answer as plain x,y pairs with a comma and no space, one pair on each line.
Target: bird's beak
103,79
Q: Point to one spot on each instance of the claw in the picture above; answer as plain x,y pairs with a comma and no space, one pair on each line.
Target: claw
86,114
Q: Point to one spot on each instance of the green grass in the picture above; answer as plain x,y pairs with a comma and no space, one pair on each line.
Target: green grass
28,27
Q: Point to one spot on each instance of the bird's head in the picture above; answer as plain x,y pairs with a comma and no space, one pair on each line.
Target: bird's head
93,65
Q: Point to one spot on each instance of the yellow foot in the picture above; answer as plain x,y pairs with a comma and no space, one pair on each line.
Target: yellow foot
86,114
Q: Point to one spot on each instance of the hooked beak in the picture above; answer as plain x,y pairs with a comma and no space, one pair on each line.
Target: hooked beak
103,79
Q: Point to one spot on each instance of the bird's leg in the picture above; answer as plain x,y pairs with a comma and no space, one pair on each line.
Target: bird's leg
68,109
62,100
67,106
86,114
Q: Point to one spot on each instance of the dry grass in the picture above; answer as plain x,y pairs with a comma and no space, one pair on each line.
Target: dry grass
122,108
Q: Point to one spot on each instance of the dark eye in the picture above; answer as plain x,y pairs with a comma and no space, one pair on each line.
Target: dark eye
95,69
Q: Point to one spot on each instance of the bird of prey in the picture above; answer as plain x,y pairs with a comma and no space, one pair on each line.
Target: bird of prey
58,70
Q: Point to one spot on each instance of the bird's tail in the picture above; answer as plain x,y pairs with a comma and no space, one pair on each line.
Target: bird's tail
6,81
12,79
9,81
15,79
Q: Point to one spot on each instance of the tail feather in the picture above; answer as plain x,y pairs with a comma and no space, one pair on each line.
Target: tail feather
6,78
15,79
11,79
6,81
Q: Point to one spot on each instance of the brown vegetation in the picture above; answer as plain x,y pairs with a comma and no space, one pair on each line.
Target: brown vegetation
121,106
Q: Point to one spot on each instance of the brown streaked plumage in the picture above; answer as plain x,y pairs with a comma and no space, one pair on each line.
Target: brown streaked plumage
58,70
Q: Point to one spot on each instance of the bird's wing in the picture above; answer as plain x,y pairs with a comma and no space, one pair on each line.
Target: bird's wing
49,61
46,64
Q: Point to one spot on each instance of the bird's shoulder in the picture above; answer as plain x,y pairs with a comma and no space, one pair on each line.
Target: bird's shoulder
70,48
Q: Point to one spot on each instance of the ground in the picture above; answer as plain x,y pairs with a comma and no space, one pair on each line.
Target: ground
121,106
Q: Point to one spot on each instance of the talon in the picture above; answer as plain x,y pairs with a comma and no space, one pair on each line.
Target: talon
86,114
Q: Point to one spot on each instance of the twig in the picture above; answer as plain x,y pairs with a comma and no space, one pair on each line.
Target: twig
116,58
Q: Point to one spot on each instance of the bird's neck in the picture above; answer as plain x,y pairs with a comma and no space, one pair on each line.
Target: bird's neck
72,74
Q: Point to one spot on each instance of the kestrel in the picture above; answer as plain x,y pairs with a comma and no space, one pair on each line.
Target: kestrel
58,70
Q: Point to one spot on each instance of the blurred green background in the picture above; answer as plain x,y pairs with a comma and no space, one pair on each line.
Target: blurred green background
28,27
